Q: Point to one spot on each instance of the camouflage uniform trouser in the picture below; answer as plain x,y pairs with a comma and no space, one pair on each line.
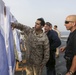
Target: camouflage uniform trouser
33,70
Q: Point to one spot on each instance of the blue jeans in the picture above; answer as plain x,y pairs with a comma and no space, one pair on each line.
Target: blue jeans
51,71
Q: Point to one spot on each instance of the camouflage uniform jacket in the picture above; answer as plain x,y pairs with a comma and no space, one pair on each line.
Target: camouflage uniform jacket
37,46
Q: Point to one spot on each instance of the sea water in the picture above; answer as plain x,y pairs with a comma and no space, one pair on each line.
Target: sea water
64,35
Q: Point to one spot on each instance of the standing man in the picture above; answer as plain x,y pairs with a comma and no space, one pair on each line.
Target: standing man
37,46
70,49
56,29
59,35
54,43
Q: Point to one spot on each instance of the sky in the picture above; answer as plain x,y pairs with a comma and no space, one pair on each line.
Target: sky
53,11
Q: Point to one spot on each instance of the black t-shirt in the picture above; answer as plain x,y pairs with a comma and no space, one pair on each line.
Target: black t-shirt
71,45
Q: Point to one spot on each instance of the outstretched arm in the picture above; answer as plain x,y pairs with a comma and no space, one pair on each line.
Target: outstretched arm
21,27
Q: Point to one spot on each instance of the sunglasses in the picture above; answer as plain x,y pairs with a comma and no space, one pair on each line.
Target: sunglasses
67,22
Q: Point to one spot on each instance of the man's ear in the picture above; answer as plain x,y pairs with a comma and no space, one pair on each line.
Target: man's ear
74,23
42,26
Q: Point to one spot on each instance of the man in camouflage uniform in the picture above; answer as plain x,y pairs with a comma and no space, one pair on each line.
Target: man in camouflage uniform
37,47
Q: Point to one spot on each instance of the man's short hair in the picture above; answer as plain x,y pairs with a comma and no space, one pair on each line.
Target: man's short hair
42,21
55,26
49,24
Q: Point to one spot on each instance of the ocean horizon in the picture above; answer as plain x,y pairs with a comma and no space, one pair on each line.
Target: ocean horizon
64,35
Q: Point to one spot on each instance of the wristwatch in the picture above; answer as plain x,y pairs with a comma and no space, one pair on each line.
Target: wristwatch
71,72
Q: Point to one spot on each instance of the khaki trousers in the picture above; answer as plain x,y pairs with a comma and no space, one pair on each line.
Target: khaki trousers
57,51
33,70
